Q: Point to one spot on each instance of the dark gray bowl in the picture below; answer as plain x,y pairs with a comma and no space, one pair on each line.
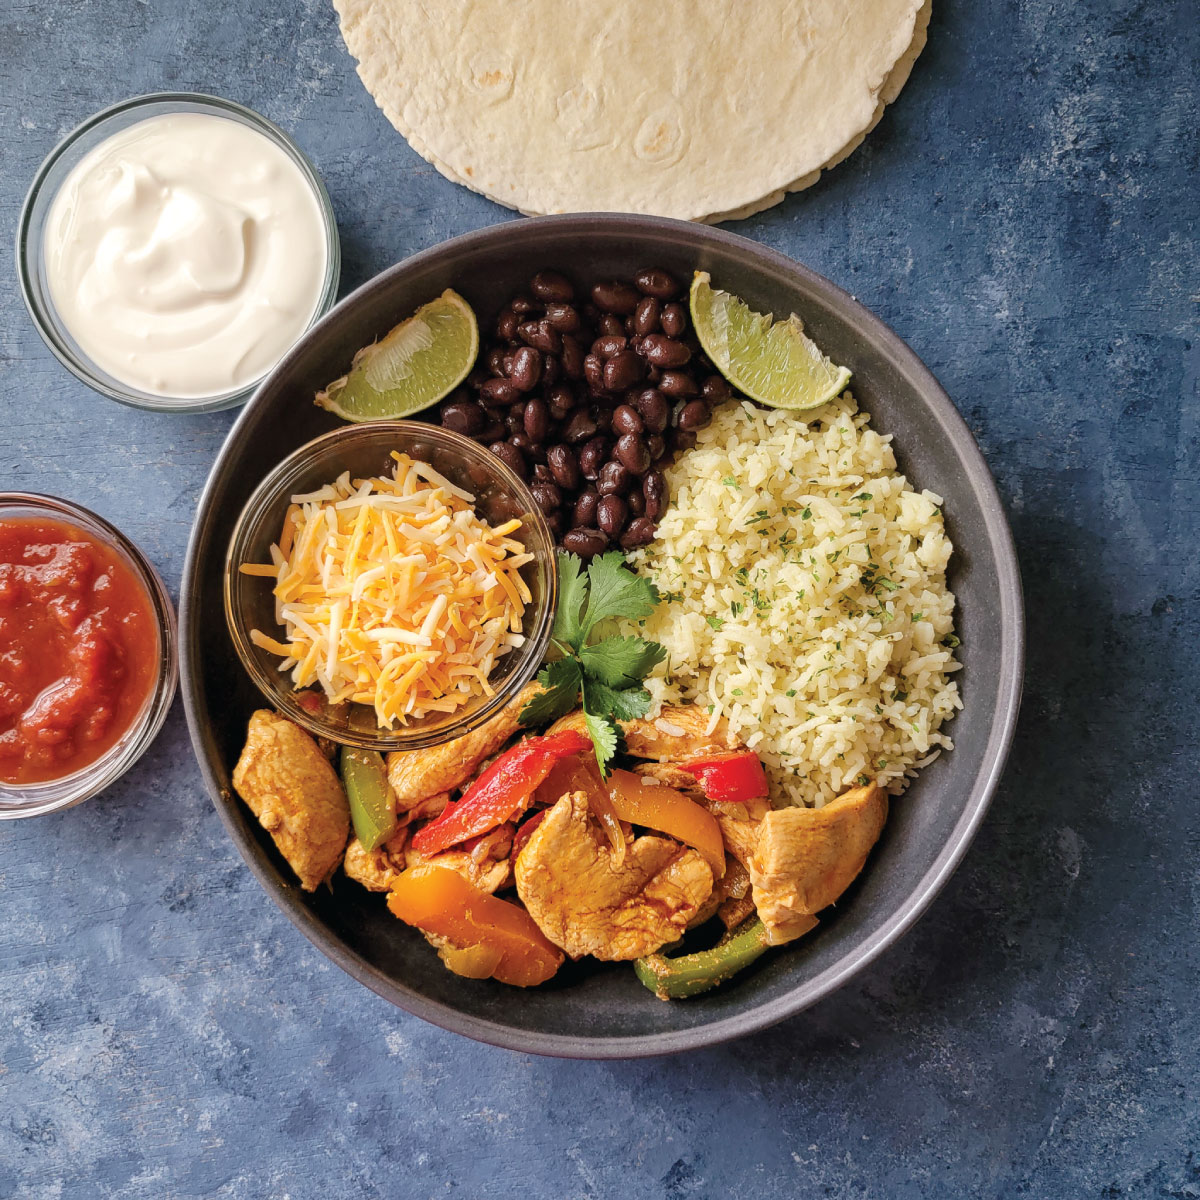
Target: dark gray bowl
598,1011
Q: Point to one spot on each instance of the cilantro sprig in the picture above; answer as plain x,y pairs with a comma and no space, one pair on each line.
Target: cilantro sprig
608,672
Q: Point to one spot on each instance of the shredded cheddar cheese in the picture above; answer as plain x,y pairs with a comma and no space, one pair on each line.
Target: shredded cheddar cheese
394,593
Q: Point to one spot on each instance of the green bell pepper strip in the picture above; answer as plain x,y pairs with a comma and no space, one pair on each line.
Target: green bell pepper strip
370,796
692,974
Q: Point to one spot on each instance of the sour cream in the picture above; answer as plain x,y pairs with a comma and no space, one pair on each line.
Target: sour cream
185,254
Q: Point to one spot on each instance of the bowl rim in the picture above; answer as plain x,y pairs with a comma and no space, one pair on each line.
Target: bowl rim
78,363
268,490
1008,687
53,795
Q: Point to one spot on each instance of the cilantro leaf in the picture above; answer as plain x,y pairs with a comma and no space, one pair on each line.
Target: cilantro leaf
621,662
561,681
605,738
572,592
622,704
615,591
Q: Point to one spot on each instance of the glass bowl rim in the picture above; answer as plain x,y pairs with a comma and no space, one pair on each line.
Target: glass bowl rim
77,362
52,795
269,490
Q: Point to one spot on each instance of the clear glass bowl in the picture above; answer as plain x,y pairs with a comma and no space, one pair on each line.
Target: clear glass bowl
31,261
34,799
365,450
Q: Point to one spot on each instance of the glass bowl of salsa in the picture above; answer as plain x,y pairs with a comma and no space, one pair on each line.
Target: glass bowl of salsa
87,654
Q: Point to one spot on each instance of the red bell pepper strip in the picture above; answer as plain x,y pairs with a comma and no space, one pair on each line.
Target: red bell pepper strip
732,777
501,792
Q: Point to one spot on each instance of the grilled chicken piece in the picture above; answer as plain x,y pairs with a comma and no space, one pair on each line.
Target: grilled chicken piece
375,869
679,732
675,735
425,810
581,901
807,857
288,784
671,775
486,864
418,774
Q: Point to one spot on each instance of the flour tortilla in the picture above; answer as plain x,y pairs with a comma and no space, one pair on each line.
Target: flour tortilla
705,111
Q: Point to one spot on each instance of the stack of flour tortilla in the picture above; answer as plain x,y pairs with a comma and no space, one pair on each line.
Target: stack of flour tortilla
708,110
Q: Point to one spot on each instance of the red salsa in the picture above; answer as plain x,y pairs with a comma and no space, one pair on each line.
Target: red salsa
78,648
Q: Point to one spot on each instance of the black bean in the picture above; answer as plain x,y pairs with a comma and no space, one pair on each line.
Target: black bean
682,439
523,305
614,477
495,360
494,431
537,420
610,325
560,400
511,457
556,524
563,317
550,285
514,419
615,297
637,503
499,391
630,324
655,410
647,315
677,383
565,466
626,419
608,345
586,506
622,371
479,376
542,336
572,357
611,514
464,417
654,490
551,369
663,351
639,533
520,439
526,369
657,445
633,453
674,320
592,456
715,389
580,427
694,415
656,282
542,474
506,325
587,543
547,495
593,372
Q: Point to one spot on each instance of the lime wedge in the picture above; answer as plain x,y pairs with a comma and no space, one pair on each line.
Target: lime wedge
412,367
773,362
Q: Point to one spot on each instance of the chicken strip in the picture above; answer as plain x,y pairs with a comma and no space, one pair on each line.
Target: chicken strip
805,858
417,774
583,902
288,784
375,869
675,735
486,864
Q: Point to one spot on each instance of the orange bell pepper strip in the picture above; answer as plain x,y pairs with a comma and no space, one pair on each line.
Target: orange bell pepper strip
487,933
671,812
731,778
501,792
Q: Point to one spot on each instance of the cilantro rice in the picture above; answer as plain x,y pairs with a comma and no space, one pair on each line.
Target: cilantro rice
805,599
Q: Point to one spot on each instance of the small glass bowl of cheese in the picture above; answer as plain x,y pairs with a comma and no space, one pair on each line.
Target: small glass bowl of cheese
391,586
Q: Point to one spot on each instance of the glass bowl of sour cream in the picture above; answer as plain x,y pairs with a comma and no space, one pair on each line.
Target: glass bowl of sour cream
173,248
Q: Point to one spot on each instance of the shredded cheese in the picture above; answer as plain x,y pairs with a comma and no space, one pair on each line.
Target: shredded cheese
394,593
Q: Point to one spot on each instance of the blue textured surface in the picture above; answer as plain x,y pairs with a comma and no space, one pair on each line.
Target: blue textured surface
1024,217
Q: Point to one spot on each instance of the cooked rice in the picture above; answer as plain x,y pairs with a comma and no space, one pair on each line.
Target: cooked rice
806,599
